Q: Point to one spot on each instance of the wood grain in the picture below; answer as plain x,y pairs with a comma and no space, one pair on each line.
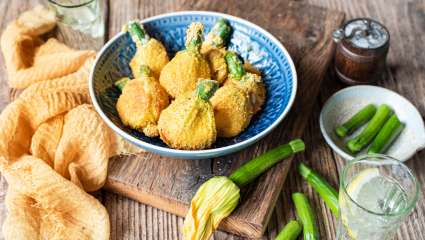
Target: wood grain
406,73
169,184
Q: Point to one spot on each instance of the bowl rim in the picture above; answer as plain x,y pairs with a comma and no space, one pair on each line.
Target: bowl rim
209,152
341,152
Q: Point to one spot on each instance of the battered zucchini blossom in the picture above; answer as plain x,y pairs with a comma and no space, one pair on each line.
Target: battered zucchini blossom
182,73
150,52
188,123
141,102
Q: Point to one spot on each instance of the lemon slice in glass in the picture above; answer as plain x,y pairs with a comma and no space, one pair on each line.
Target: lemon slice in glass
353,189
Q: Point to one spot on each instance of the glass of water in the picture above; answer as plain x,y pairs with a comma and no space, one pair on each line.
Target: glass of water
376,194
82,15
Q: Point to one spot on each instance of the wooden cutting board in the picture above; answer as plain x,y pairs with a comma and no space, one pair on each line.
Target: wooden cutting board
169,184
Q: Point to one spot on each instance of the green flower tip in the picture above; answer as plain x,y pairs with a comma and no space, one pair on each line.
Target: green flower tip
137,32
206,88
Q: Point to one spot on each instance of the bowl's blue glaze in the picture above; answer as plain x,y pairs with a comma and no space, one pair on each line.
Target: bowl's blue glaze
253,43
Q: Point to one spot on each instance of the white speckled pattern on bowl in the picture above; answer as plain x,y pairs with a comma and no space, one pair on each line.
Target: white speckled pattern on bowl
252,42
345,103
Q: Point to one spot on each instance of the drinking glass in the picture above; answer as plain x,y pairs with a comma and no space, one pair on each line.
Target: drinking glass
376,194
82,15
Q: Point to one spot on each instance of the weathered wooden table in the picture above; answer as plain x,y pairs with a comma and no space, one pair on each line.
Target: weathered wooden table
405,74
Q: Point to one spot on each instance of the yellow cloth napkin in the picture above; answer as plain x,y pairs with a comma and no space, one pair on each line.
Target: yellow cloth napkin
53,146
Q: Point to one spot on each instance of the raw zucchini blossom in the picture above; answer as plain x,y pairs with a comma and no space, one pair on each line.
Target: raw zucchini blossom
214,201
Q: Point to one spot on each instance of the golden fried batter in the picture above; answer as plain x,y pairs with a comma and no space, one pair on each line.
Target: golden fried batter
141,103
150,52
254,87
153,54
233,110
188,123
181,74
214,49
217,63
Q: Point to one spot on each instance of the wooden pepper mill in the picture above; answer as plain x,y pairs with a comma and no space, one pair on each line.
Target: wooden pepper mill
361,52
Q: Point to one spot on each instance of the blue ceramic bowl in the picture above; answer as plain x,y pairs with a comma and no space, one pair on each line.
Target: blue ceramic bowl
253,43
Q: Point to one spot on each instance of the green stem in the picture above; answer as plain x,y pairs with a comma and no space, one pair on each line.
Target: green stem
234,65
219,34
206,88
137,32
194,36
290,231
120,83
306,216
389,132
144,70
321,186
366,136
356,121
252,169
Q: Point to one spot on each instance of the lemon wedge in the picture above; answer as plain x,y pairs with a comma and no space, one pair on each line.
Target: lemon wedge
365,176
353,190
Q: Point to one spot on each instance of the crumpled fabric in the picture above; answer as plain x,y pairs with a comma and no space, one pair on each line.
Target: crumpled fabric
28,59
54,148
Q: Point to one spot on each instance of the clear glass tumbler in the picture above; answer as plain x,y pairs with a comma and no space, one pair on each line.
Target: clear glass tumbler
83,15
376,194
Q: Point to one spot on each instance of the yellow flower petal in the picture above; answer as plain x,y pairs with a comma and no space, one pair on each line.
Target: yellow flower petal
213,201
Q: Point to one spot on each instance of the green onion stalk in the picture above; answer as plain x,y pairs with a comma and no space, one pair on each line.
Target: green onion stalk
290,231
356,144
356,121
389,132
306,216
219,196
321,186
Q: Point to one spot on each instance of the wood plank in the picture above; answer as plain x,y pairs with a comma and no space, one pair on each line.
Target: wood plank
169,184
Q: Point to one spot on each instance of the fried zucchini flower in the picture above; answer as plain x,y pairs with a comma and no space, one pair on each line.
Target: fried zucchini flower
182,73
150,52
250,82
219,196
214,49
141,102
188,123
233,110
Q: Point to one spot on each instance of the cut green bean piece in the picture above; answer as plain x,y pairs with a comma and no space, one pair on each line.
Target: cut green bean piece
290,231
306,216
366,136
120,83
388,134
321,186
252,169
356,121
